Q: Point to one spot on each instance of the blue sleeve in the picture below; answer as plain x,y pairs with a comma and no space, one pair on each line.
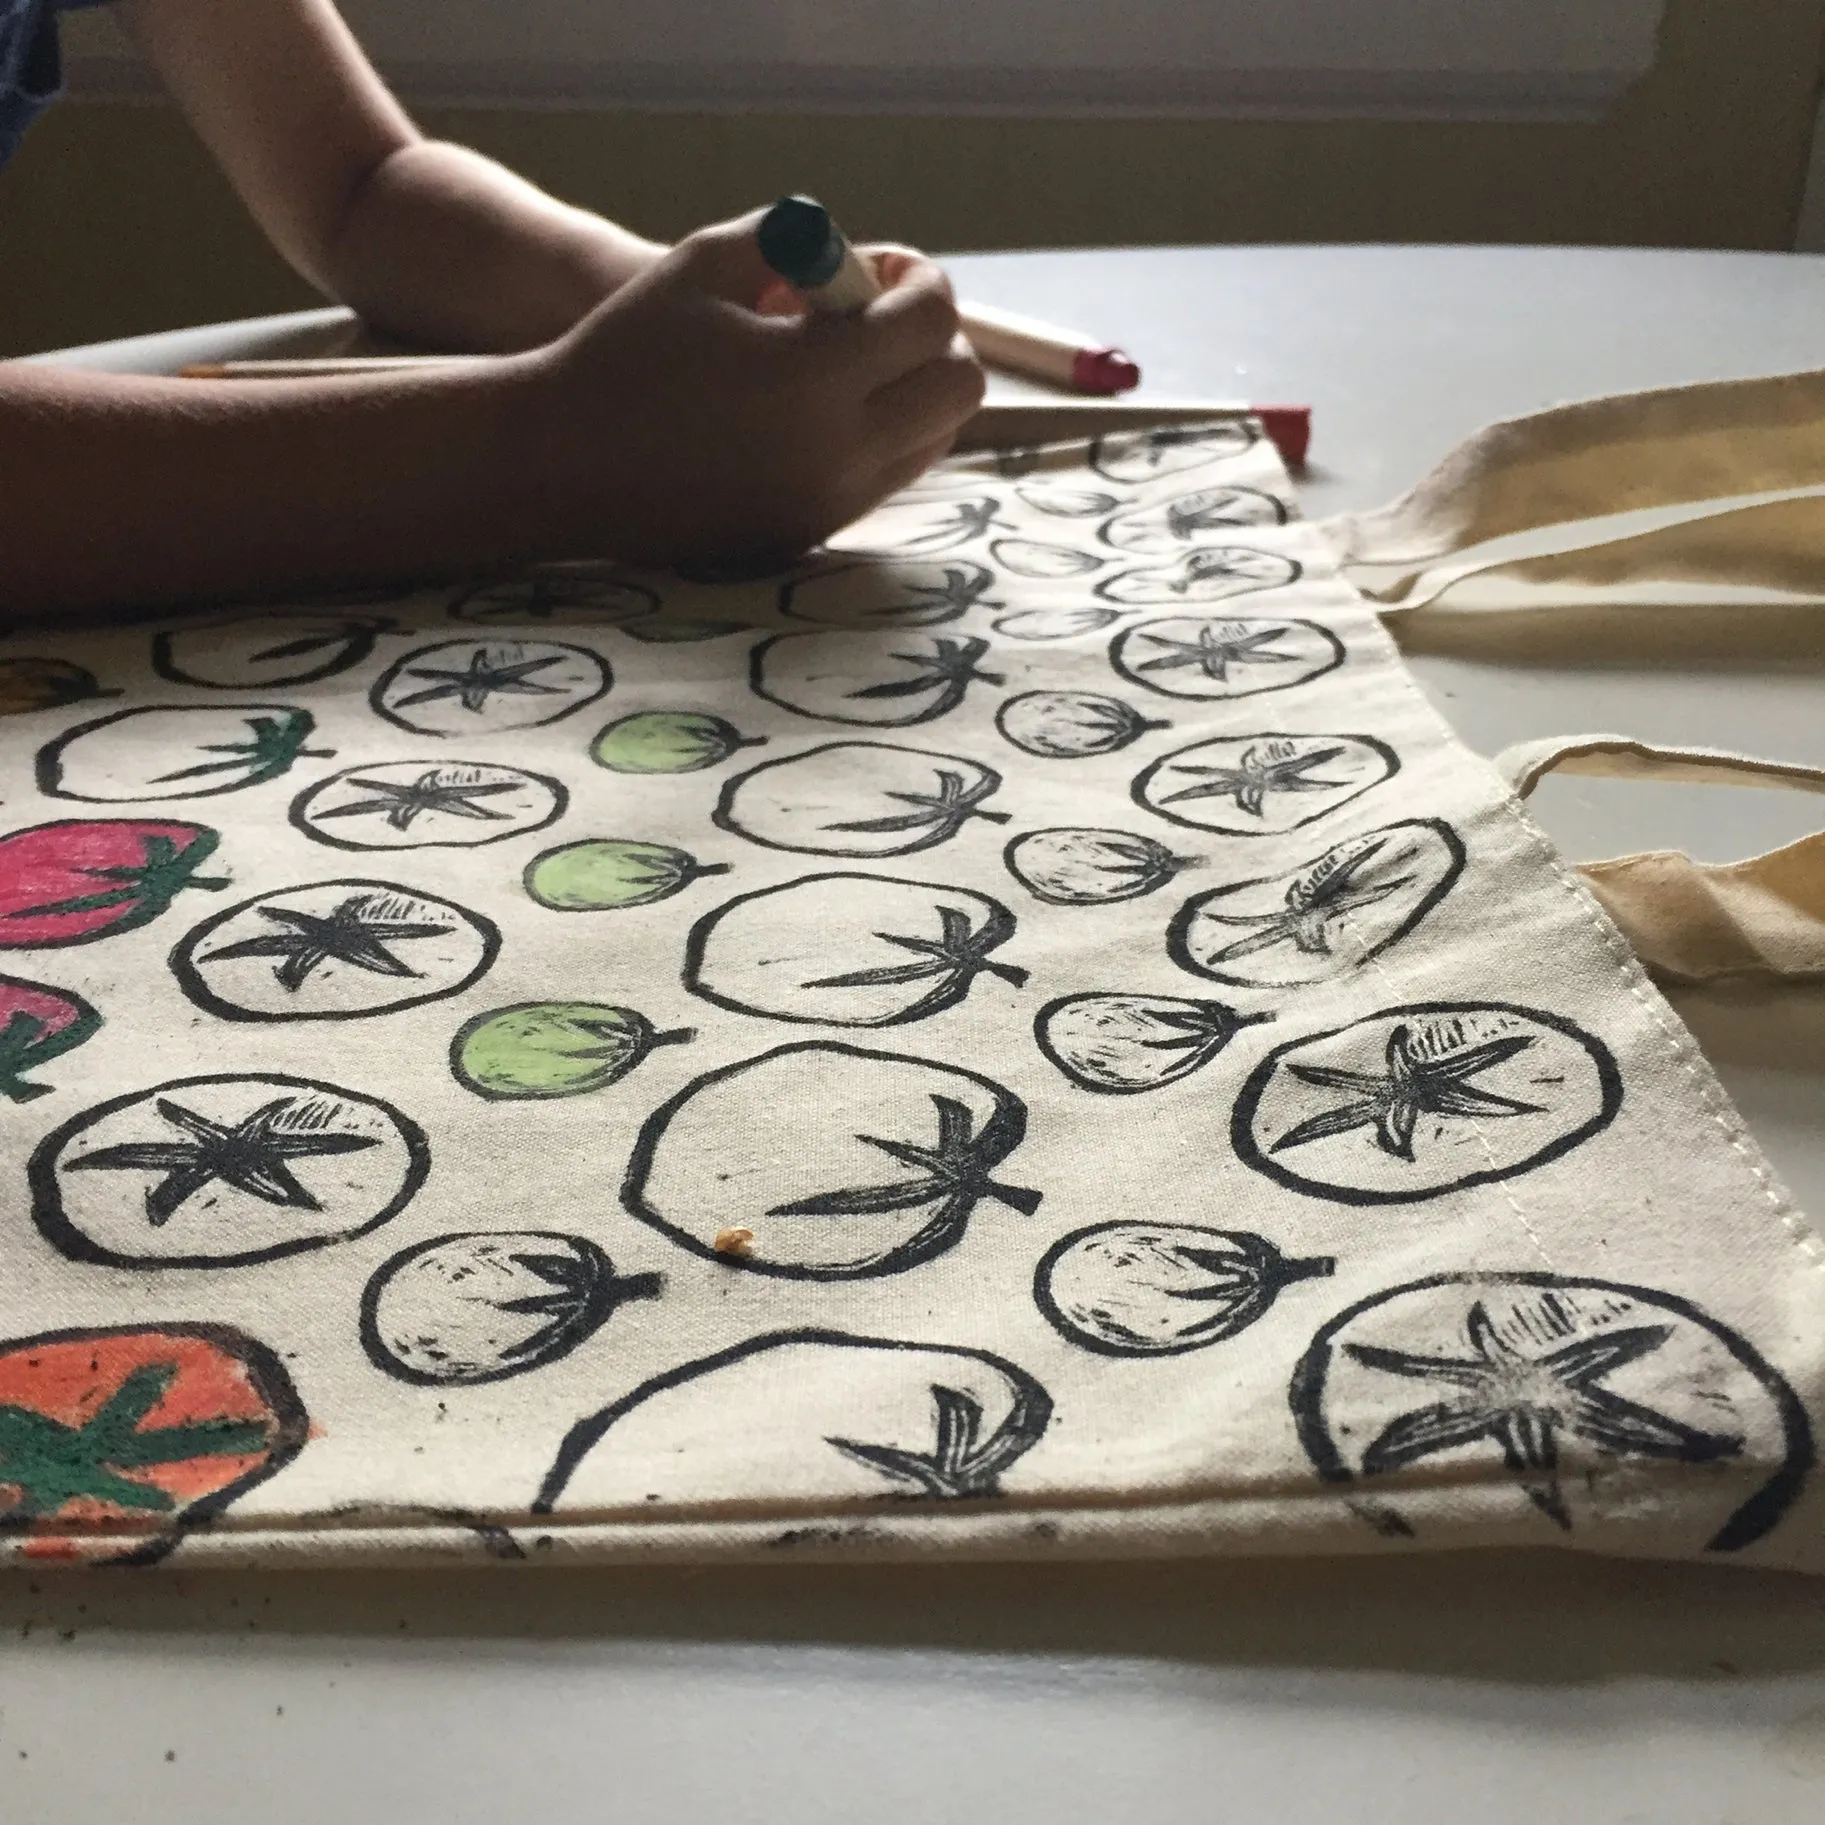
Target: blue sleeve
31,64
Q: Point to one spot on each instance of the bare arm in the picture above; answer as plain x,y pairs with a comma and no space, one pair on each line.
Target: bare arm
674,421
428,242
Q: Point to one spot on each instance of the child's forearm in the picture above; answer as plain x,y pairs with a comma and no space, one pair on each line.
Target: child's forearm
120,491
446,249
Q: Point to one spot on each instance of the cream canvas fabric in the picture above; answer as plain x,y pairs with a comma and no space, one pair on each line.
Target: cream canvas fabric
1026,1035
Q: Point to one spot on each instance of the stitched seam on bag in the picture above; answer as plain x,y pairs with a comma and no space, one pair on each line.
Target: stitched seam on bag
1679,1043
1400,994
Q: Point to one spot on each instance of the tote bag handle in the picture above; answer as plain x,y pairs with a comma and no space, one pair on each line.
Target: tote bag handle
1698,921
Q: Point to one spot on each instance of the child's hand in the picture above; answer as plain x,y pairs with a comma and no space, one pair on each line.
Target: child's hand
679,421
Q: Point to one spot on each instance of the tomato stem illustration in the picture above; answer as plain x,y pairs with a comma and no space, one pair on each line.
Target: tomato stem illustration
962,1463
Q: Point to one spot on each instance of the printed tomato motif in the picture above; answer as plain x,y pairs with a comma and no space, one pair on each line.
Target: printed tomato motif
333,950
1038,558
554,595
1219,657
848,950
861,678
1071,725
843,1163
1419,1101
1069,503
115,1442
462,1310
223,1171
427,804
1055,623
1160,1289
1207,573
265,652
1325,917
677,630
175,751
1596,1401
917,528
75,881
892,593
1261,785
668,741
1129,457
600,874
1091,867
1121,1045
553,1048
1167,527
869,1417
38,1023
484,687
858,798
45,684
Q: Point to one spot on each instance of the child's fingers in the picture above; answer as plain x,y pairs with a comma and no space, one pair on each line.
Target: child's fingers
925,406
903,329
907,469
724,260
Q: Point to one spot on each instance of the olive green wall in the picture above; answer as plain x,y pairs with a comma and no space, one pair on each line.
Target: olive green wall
112,221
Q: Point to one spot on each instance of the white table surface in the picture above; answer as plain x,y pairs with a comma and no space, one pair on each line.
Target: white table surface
1510,1689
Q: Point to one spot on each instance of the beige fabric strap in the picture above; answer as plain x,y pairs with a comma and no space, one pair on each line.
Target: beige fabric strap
1774,546
1697,921
1601,456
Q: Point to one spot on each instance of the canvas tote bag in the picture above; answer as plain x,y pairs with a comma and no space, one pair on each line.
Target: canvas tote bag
1022,1035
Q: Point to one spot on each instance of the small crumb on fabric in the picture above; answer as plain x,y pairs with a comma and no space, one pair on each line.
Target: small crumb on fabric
734,1242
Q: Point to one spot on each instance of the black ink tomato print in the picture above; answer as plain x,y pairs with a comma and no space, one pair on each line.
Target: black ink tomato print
75,881
427,804
677,630
849,950
1071,725
175,751
1128,457
1044,560
1261,785
1090,867
333,950
484,687
843,1163
1217,657
37,1024
1166,527
1055,623
45,684
553,1048
868,1417
668,741
865,678
223,1171
1415,1102
858,798
893,593
265,652
462,1310
1324,917
1160,1289
1069,503
1596,1400
599,874
1207,573
115,1442
1122,1044
556,595
918,528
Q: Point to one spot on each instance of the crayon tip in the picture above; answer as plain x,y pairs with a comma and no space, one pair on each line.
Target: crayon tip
1289,430
800,242
1103,371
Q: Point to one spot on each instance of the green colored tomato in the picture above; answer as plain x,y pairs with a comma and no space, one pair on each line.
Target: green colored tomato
668,741
601,873
553,1048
